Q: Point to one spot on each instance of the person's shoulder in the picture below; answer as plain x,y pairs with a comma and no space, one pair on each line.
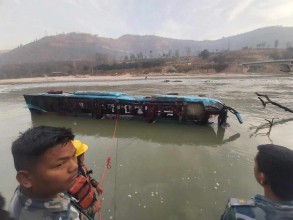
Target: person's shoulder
239,209
236,202
15,204
280,209
59,207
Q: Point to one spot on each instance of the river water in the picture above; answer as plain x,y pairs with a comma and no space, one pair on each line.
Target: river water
164,170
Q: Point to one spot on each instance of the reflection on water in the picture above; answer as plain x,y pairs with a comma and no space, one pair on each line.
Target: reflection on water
162,132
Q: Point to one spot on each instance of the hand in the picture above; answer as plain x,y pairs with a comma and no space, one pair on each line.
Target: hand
99,189
98,205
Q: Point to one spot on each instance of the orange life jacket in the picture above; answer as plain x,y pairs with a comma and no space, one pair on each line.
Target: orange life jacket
83,191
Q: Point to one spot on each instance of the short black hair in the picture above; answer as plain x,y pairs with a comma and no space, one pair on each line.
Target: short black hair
276,162
34,142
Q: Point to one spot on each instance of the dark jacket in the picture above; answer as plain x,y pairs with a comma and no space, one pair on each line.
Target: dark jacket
258,208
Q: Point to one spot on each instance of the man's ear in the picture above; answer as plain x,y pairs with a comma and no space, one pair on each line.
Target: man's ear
24,178
262,179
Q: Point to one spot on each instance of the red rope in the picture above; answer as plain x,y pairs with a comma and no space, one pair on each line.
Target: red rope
108,162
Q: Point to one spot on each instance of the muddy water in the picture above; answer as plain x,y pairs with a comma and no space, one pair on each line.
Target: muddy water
164,170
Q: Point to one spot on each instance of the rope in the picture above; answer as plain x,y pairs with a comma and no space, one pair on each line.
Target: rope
108,161
115,188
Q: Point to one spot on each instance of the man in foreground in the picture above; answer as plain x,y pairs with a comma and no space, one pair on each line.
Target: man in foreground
46,165
274,172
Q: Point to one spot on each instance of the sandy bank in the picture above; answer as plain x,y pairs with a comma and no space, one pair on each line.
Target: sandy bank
88,78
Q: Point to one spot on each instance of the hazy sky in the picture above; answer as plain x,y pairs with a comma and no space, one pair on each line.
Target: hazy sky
22,21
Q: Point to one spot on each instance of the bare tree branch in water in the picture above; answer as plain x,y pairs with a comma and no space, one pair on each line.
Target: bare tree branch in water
269,101
271,125
268,125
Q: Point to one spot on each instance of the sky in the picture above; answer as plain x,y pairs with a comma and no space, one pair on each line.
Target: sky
23,21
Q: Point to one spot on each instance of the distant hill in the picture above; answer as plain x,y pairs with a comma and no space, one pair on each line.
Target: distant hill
260,38
82,46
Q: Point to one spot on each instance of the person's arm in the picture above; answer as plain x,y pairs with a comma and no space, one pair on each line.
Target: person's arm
97,185
239,207
96,207
92,181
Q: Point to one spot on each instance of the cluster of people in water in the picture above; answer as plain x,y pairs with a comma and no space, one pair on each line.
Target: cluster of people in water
55,183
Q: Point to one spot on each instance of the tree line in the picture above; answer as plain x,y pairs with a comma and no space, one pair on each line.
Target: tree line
206,61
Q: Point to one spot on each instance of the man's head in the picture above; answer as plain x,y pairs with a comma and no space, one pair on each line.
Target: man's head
274,167
45,161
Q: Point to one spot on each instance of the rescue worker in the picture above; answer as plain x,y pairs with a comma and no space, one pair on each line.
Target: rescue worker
274,172
46,165
85,186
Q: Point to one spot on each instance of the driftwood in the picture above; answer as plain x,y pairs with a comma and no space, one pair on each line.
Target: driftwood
269,101
268,125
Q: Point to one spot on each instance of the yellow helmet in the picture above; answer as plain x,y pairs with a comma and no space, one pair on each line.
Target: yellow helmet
80,147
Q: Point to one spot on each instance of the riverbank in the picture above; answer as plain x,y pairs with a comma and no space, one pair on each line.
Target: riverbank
118,77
